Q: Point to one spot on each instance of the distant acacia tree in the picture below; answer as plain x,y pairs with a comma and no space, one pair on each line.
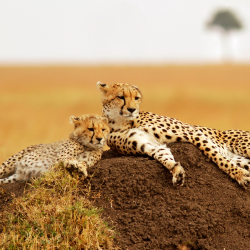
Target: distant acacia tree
226,22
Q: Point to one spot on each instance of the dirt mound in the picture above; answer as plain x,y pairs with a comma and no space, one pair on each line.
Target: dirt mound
210,211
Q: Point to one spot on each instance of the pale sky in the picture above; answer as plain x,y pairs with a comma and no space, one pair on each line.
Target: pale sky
117,31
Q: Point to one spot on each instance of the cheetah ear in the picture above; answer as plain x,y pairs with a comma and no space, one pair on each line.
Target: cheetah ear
137,89
103,87
75,120
105,119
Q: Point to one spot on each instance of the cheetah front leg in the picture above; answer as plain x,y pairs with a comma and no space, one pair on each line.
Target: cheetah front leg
73,164
136,141
82,161
163,154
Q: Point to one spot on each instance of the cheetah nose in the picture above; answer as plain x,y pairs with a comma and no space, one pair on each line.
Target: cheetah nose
130,110
98,139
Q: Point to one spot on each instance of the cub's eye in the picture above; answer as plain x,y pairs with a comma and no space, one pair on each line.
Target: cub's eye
90,129
103,129
121,97
136,98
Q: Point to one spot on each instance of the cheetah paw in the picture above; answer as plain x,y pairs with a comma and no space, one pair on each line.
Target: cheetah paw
70,163
74,165
82,168
178,174
243,178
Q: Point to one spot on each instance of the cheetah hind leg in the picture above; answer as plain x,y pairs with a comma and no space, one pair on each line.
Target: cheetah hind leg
11,179
73,165
240,161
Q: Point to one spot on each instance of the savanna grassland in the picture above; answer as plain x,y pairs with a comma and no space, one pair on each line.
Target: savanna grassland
36,102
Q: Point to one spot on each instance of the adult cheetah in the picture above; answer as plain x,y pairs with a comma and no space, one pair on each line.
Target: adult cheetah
83,149
137,132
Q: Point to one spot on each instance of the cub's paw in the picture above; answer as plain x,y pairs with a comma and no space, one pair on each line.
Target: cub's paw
70,163
76,166
178,174
82,168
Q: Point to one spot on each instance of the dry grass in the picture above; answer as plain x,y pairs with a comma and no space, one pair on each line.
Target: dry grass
36,102
54,216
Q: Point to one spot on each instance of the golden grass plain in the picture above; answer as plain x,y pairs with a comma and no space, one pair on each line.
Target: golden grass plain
36,102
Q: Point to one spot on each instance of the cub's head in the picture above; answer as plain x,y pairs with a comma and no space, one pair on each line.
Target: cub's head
120,100
90,130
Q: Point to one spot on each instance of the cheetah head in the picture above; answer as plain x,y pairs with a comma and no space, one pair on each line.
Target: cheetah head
90,130
120,100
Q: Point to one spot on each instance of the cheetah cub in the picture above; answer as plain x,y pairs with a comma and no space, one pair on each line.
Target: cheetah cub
83,149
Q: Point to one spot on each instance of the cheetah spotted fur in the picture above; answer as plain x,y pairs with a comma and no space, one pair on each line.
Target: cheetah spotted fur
137,132
83,149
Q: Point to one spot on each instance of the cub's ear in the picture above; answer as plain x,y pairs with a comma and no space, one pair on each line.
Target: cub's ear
103,87
105,119
75,120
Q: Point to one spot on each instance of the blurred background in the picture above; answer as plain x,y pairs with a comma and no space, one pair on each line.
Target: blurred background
191,59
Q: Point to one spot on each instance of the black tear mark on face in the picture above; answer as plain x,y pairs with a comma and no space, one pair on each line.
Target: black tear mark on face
92,130
91,140
121,112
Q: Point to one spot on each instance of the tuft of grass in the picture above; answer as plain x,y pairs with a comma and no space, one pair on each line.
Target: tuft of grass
54,216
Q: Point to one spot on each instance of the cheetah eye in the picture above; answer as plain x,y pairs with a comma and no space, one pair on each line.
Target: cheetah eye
121,97
90,129
103,129
136,98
